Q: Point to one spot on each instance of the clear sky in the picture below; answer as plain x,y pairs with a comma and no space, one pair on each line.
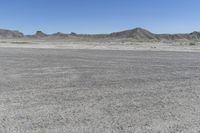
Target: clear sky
100,16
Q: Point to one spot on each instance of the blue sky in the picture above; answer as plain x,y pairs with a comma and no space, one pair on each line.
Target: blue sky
99,16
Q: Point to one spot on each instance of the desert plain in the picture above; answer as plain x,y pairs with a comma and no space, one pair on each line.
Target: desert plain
104,86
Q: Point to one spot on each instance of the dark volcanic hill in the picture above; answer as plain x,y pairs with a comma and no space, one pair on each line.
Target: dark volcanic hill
10,34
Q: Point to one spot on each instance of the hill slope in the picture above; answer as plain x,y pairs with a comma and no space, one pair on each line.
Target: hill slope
10,34
136,34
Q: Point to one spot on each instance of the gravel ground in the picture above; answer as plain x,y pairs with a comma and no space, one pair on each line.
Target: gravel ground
99,91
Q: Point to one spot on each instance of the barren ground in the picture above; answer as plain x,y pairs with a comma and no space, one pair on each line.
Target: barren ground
99,91
101,45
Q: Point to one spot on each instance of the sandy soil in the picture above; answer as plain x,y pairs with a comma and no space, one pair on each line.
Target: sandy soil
99,91
101,45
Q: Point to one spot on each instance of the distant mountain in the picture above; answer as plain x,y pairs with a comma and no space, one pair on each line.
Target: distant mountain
145,35
40,34
136,34
195,35
59,34
172,36
10,34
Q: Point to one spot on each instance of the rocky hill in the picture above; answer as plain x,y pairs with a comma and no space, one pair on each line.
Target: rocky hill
136,34
40,34
145,35
10,34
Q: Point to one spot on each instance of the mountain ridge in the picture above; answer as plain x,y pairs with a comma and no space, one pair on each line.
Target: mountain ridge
139,34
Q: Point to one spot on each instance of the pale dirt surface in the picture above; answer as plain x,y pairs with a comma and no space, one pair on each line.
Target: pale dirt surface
101,45
99,91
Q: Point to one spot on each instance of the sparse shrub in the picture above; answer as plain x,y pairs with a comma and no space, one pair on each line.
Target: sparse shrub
123,41
153,47
192,44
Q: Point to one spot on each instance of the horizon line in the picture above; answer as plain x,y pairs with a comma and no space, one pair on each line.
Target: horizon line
97,33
